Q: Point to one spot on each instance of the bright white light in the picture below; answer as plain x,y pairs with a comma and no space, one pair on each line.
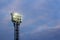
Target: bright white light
16,17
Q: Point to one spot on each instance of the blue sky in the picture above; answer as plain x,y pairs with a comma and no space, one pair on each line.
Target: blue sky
41,19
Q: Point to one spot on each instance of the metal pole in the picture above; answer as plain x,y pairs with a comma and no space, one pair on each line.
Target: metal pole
16,31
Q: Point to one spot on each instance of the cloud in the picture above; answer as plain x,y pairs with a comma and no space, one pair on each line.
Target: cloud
42,33
46,35
41,28
50,34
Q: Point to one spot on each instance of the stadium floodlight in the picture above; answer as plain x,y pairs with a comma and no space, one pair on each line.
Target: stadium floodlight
16,18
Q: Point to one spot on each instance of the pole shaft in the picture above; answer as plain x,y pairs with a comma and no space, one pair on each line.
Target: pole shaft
16,32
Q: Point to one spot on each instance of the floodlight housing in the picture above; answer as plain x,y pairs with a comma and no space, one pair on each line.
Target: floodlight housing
16,18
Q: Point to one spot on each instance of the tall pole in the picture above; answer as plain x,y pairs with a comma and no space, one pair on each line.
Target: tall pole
16,19
16,31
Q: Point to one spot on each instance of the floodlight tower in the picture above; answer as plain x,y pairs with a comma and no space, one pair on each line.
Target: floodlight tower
16,19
